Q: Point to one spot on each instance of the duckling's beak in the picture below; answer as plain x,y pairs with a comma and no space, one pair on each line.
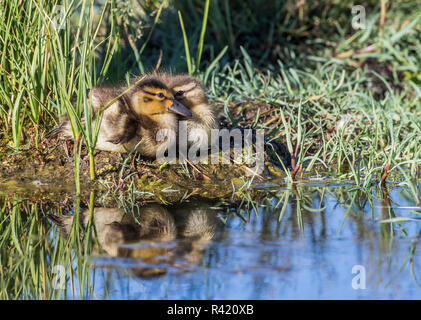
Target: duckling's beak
180,109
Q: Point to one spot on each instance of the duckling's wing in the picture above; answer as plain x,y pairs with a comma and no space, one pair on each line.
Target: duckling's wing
121,139
124,129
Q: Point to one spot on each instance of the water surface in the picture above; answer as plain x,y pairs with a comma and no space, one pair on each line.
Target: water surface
317,239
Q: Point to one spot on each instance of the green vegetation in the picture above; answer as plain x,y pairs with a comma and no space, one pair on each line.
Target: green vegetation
342,98
345,102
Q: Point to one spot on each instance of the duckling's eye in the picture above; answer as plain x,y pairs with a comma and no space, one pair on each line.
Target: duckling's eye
160,95
179,93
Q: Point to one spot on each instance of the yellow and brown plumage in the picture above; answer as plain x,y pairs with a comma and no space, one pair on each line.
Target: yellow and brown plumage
188,91
134,118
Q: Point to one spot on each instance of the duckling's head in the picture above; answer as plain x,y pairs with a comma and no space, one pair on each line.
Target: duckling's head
153,99
188,91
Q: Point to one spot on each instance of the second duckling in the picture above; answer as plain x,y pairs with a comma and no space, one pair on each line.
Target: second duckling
190,93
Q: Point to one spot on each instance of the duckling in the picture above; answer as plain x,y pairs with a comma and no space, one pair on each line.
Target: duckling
188,91
135,118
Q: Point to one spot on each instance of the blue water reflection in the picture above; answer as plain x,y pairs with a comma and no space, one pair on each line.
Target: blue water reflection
304,248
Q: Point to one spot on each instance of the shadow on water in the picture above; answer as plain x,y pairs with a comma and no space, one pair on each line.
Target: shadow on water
314,239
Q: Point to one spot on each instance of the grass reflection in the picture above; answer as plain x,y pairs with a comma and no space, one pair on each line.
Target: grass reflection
46,249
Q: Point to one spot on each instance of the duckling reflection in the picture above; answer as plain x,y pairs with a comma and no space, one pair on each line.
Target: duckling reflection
155,237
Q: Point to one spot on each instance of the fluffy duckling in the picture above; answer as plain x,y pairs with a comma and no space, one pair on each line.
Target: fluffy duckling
134,119
188,91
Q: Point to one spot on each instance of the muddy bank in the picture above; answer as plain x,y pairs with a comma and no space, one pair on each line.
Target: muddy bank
47,171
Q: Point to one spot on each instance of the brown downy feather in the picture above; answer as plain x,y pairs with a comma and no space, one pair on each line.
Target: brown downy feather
129,121
188,90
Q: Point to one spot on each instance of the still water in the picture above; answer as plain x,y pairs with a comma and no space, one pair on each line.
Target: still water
313,240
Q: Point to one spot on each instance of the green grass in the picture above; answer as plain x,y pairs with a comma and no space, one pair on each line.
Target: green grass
328,115
47,70
344,101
